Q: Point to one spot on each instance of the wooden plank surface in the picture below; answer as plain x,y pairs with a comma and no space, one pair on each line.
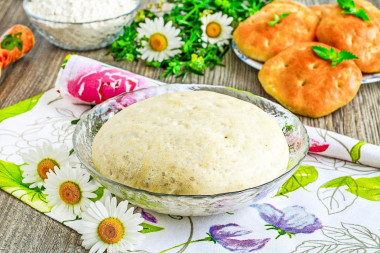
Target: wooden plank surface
22,229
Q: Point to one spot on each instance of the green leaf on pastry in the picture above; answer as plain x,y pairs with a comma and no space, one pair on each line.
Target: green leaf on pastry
19,108
148,228
360,13
346,4
11,182
355,151
277,19
301,178
349,7
344,55
332,55
368,188
322,52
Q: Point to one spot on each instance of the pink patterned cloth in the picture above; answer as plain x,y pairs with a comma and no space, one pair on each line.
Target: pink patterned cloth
331,144
86,81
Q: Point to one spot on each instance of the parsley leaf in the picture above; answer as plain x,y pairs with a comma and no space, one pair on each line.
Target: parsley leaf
322,52
344,55
362,14
332,55
349,7
346,4
277,19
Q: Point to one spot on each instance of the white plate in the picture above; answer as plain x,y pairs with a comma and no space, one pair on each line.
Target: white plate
367,78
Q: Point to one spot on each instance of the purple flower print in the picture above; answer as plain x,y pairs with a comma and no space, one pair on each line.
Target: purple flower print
223,234
291,220
147,216
220,232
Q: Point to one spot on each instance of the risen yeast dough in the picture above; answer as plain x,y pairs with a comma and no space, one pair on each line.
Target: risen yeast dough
191,143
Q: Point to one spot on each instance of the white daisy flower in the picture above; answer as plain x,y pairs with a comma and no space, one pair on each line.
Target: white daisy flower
110,227
41,160
216,28
163,40
68,190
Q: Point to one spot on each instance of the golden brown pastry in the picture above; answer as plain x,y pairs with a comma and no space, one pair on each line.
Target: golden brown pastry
347,32
308,85
258,40
371,8
322,10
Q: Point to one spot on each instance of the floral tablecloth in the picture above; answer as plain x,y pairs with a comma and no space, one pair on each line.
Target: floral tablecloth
330,204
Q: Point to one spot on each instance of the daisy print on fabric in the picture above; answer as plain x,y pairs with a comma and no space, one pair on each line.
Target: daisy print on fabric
216,28
41,160
111,226
69,190
162,42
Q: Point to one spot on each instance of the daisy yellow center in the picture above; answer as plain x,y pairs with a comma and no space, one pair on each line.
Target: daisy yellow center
45,166
158,42
213,30
70,193
111,230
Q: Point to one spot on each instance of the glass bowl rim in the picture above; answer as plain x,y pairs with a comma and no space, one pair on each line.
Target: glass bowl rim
92,170
29,14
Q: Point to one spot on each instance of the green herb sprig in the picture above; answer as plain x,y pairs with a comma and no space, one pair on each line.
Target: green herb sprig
332,55
196,56
277,19
349,7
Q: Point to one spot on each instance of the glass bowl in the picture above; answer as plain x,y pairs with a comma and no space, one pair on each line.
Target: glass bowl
188,205
81,36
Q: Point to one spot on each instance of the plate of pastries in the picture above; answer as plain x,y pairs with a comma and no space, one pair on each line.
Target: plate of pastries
312,59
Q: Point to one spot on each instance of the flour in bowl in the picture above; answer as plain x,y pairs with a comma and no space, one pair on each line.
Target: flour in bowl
81,24
80,11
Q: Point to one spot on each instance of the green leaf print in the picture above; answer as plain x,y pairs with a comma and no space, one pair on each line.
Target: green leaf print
339,182
368,188
11,182
355,151
99,194
65,61
74,122
334,195
302,177
175,217
10,174
19,108
345,239
148,228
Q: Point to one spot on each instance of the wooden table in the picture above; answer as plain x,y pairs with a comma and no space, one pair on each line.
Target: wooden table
22,229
